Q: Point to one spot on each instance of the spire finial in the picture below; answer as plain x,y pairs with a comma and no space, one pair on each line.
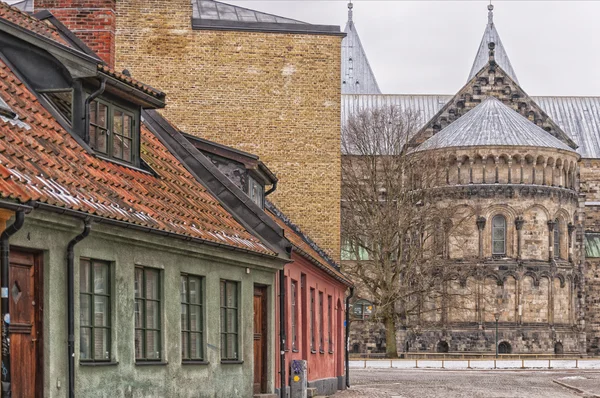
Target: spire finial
491,13
350,7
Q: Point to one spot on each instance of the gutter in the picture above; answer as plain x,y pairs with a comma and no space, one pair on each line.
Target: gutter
4,265
347,328
71,303
273,189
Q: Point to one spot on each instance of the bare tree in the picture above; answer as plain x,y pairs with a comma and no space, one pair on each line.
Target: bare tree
391,222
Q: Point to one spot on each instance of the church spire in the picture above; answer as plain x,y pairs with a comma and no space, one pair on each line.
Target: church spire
501,57
350,7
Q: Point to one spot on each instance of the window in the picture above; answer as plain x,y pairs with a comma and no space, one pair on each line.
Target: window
255,191
312,320
557,239
111,131
321,324
329,323
354,252
499,235
192,319
229,321
94,311
62,101
362,309
294,297
147,314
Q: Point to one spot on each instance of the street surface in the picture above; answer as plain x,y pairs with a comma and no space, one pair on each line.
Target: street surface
415,383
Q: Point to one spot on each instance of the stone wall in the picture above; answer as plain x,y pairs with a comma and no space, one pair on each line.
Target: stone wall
276,95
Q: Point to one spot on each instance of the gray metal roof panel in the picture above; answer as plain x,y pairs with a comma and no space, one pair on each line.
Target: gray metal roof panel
483,54
215,10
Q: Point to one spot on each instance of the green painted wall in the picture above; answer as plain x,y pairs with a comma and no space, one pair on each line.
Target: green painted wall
125,249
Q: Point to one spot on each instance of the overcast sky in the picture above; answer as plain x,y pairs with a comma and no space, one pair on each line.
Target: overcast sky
428,47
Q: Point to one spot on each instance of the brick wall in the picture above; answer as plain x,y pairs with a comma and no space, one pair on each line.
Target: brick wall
93,21
275,95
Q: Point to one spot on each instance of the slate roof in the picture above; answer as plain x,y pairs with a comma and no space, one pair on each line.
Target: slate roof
357,74
45,164
211,14
492,123
579,117
305,246
483,53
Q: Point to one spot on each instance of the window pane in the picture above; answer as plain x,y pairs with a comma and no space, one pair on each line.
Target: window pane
224,346
151,284
127,126
499,233
84,343
194,291
184,345
139,343
184,317
100,140
223,300
138,283
84,276
232,320
84,310
101,350
117,146
100,278
223,323
184,289
152,345
498,221
93,106
101,311
118,122
152,315
127,149
196,318
231,295
102,112
232,346
196,345
498,247
139,313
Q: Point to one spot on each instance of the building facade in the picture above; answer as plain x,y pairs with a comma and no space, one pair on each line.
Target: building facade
521,170
257,82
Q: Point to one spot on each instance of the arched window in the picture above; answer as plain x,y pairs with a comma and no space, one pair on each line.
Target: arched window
499,235
557,239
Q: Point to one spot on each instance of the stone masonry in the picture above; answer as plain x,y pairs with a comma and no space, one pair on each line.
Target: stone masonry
273,94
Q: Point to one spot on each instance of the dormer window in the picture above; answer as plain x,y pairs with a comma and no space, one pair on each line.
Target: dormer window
113,131
62,101
256,192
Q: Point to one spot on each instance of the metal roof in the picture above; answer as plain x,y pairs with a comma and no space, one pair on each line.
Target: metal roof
579,117
483,54
23,5
492,123
357,75
215,10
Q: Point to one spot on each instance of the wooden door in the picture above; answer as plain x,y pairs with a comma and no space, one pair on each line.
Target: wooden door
25,331
260,340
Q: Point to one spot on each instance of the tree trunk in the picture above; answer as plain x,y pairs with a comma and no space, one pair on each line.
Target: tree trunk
391,350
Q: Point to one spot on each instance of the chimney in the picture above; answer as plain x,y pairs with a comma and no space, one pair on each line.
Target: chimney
92,21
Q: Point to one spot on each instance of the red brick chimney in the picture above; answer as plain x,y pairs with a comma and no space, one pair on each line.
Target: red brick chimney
93,21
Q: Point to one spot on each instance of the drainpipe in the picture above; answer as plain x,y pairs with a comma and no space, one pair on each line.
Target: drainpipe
71,303
282,392
86,111
4,264
273,189
347,327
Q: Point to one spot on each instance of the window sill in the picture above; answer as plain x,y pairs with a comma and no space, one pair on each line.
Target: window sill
121,162
313,352
331,352
192,362
295,350
321,352
151,363
231,362
98,363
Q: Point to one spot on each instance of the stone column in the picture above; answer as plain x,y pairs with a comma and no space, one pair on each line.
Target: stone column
522,166
509,162
570,230
551,225
519,221
544,172
483,164
480,226
533,171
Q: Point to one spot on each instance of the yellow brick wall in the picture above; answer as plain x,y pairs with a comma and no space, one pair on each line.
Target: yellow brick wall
274,95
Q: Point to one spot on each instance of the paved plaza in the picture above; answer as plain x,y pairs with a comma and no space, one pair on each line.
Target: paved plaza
415,383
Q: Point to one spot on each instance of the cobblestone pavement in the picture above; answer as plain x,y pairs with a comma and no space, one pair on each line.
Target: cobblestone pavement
393,383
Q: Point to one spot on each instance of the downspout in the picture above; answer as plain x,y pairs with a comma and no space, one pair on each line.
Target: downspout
5,259
347,327
273,189
71,302
282,392
88,100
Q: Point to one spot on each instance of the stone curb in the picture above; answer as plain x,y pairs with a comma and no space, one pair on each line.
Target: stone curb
578,390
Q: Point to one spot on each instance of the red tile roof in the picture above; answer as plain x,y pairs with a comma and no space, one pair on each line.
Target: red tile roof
306,251
46,29
44,163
